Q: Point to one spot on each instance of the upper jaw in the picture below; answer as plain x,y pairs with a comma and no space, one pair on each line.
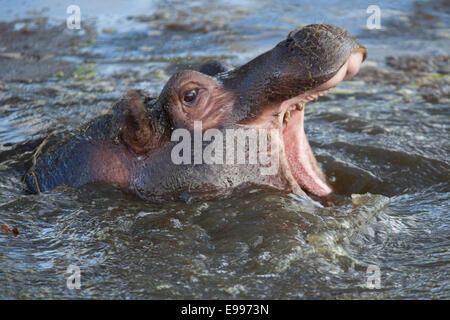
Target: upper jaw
345,72
279,114
312,59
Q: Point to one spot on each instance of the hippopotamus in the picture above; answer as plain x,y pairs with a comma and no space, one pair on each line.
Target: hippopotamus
141,146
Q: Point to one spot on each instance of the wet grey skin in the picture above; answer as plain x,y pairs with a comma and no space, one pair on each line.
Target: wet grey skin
131,146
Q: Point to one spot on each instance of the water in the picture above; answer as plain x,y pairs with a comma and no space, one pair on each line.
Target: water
372,137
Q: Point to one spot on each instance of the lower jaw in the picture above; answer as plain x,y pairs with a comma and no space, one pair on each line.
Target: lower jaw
302,163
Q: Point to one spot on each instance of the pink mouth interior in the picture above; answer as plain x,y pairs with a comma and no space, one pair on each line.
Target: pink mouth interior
303,165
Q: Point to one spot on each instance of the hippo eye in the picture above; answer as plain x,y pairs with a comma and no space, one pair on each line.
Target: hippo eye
189,96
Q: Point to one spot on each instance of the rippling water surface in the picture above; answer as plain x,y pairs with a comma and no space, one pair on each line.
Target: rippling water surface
383,145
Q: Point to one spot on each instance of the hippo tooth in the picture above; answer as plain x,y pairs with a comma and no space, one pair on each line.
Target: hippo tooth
300,106
287,116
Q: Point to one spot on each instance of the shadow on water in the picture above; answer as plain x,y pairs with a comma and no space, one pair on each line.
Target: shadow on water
381,138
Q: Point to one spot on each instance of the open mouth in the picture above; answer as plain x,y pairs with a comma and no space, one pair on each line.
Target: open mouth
298,164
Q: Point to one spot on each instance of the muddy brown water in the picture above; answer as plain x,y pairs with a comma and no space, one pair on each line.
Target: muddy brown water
382,136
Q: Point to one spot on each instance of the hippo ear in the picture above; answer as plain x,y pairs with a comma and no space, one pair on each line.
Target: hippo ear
136,133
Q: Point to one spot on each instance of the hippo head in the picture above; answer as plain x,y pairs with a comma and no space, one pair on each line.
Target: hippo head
187,141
